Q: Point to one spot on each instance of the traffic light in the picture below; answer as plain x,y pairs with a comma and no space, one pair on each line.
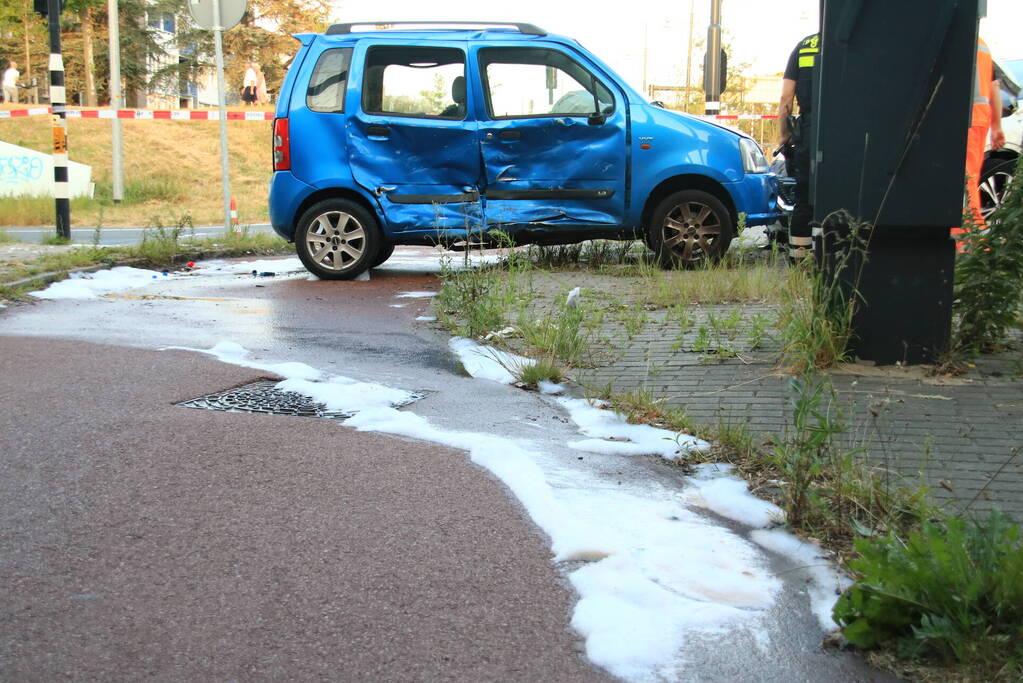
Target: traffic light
42,6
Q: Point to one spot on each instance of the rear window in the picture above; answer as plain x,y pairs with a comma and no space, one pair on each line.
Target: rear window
326,92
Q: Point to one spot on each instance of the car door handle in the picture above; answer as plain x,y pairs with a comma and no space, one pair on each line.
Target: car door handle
510,135
377,130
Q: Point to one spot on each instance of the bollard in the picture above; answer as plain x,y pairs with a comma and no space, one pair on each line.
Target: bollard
234,217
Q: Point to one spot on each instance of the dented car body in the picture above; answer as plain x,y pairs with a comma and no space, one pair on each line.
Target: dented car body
425,136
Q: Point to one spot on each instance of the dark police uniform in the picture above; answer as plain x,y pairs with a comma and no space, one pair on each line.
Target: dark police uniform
801,68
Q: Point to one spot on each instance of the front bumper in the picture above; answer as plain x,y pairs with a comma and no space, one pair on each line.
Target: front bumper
756,195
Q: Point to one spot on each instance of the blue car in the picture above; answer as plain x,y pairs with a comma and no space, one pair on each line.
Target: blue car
470,134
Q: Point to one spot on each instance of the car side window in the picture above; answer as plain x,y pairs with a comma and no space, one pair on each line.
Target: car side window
418,82
535,82
326,91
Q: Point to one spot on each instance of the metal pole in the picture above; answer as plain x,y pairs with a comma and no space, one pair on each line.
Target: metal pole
58,99
218,30
116,137
689,56
713,65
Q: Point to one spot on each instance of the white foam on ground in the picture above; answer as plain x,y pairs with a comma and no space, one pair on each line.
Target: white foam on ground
414,295
656,572
426,318
612,434
93,285
283,266
486,362
827,582
714,488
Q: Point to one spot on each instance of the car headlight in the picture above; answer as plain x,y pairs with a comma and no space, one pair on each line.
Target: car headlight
753,159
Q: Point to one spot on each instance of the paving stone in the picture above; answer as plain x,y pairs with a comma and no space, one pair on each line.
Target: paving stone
960,431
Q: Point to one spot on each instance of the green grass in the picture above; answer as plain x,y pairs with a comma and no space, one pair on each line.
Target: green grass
543,370
6,238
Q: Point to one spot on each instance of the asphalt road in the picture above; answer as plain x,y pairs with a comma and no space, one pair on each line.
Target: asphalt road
116,236
142,539
145,540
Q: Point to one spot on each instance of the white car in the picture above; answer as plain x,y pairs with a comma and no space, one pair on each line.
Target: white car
999,165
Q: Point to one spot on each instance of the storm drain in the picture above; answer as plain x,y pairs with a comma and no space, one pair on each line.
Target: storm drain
265,398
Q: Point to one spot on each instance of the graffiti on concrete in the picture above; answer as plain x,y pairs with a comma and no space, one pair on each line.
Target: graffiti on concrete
20,169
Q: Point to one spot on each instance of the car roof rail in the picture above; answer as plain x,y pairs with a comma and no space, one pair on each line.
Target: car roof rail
527,29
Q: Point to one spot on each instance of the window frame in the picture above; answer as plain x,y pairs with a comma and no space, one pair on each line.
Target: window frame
344,88
483,63
363,100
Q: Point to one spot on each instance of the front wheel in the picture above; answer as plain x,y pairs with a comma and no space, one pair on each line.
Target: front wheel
995,177
689,228
337,239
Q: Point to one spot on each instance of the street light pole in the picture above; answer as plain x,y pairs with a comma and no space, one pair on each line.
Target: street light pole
116,140
712,66
218,30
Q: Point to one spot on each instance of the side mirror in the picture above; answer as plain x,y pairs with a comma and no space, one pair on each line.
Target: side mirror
1009,106
596,119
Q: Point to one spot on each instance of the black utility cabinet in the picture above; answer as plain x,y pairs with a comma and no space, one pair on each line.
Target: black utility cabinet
892,115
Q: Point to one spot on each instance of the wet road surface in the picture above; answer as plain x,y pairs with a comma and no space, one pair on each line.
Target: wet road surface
147,539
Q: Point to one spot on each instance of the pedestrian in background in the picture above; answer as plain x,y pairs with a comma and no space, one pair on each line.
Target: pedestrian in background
249,85
10,83
797,84
986,118
262,96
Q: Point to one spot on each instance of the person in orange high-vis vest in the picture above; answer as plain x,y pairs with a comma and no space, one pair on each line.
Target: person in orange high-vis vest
987,117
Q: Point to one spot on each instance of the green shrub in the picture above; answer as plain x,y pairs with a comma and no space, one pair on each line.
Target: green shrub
989,276
953,591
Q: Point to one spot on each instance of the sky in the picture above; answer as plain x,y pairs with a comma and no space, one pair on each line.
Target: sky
761,32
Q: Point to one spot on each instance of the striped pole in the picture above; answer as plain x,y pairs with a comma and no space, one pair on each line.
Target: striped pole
58,100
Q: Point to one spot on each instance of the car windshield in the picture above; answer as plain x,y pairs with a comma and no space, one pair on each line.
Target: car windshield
1015,68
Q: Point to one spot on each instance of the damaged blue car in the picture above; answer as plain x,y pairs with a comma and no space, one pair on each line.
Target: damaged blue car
464,135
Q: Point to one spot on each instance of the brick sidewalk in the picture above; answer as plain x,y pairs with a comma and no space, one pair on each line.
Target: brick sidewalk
962,436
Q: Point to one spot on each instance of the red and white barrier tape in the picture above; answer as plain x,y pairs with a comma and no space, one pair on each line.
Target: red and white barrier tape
214,115
145,114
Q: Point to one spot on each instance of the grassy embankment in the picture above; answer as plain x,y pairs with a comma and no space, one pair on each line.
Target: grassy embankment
171,170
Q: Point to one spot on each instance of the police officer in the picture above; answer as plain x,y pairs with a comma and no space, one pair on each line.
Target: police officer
795,140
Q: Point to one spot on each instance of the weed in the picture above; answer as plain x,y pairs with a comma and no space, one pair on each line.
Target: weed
816,311
544,369
6,237
471,302
55,241
989,276
560,334
634,319
952,591
758,331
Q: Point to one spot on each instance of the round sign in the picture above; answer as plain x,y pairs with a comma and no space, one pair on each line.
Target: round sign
231,12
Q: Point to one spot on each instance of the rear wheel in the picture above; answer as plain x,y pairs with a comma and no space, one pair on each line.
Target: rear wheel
337,239
995,177
689,228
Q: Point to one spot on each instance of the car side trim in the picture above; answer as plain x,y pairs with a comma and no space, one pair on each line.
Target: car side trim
558,193
434,198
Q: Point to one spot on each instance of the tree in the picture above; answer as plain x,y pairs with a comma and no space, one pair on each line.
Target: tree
263,36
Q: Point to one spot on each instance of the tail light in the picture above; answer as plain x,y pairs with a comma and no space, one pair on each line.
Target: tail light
282,145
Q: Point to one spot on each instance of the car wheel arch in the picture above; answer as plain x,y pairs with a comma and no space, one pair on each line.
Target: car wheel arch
338,193
686,182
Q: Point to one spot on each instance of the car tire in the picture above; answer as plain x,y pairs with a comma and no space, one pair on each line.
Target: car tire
689,228
995,177
337,239
386,249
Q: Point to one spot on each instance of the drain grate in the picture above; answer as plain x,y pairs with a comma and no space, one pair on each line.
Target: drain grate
265,398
